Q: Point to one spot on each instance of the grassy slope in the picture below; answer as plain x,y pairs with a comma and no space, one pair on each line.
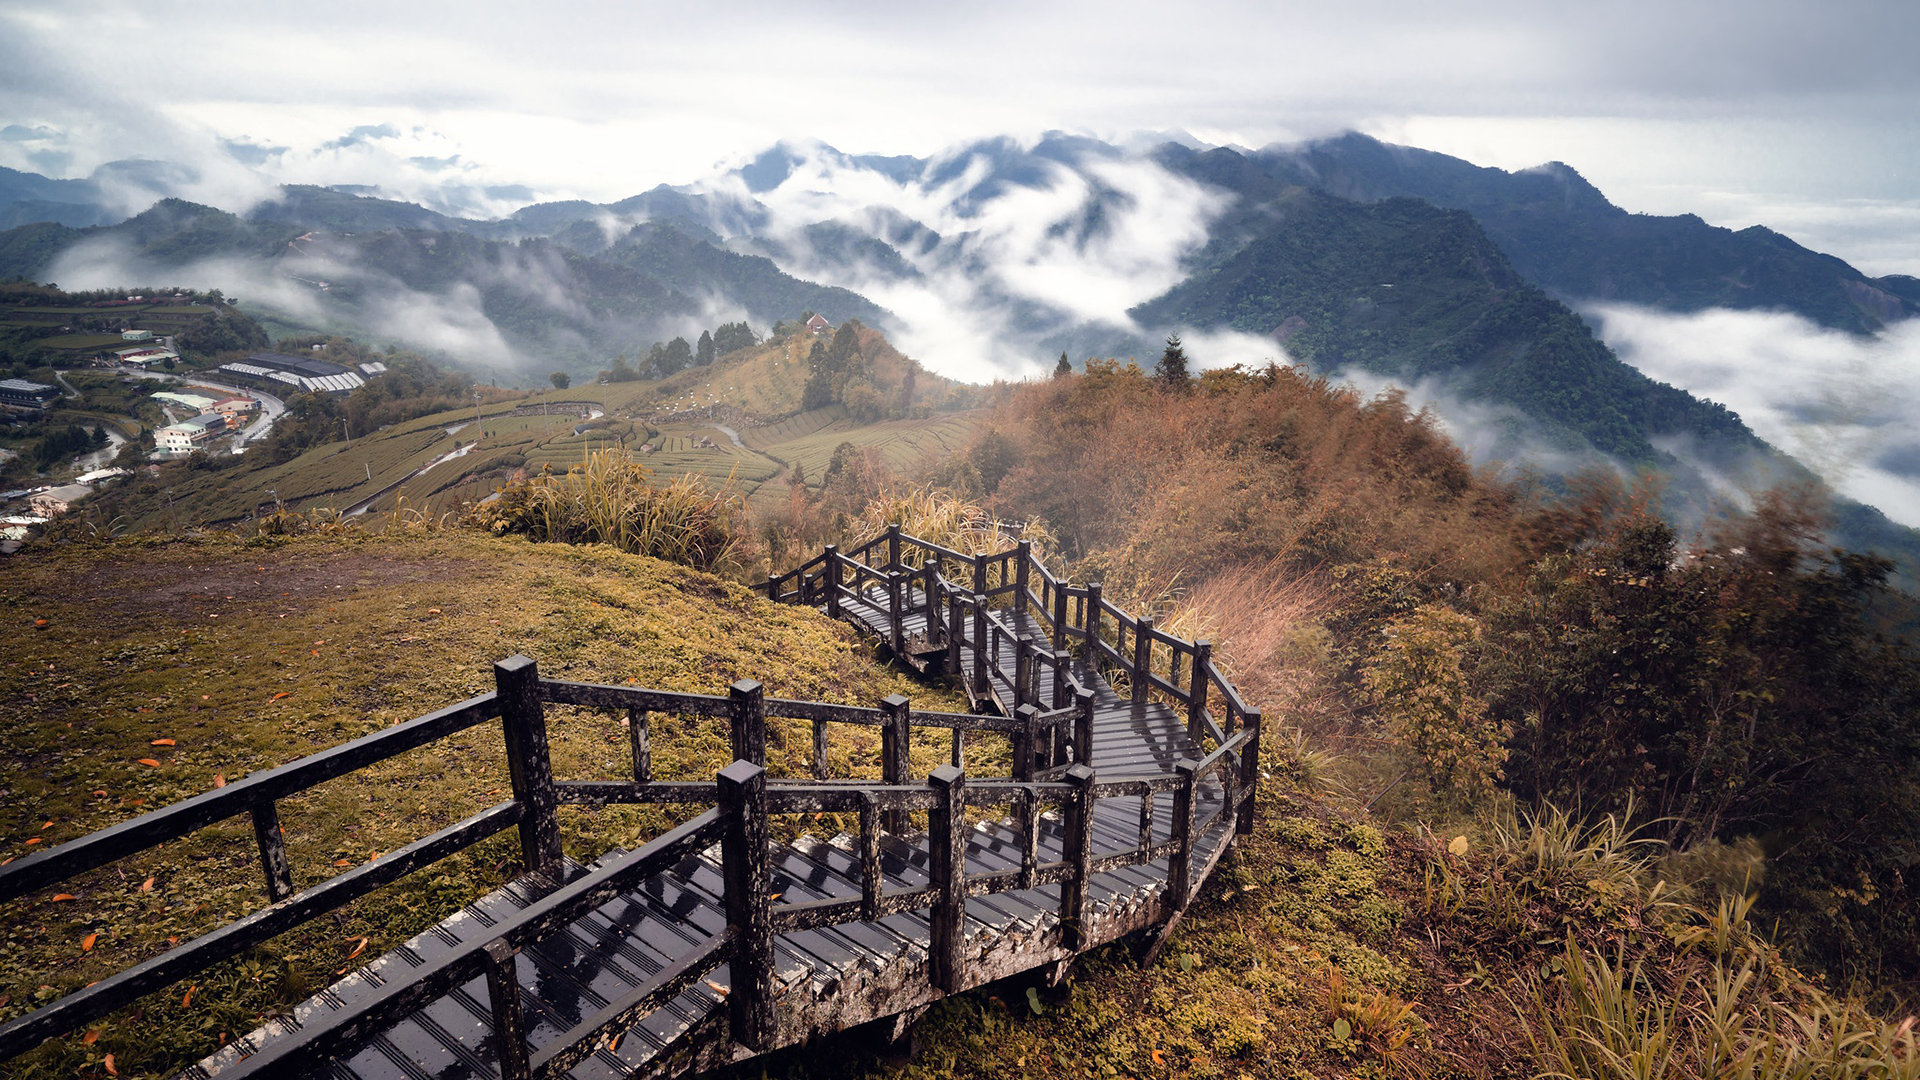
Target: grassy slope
671,416
250,655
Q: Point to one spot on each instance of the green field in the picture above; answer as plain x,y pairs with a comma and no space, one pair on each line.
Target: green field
80,342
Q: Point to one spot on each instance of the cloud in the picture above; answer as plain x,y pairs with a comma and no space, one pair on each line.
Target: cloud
1848,407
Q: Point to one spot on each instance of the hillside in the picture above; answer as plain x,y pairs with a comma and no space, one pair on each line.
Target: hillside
327,261
1563,235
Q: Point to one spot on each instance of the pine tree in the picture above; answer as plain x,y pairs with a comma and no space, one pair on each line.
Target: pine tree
1172,369
703,351
1064,368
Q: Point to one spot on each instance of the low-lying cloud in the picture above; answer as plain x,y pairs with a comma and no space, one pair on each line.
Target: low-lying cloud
1848,407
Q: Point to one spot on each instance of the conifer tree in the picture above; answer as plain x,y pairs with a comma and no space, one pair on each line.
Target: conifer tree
703,352
1064,368
1172,369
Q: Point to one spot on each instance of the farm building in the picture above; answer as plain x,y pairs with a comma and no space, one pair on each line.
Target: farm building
189,435
144,356
199,403
281,374
234,409
56,501
136,335
819,324
21,394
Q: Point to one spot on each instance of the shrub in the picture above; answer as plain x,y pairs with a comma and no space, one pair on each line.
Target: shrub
610,499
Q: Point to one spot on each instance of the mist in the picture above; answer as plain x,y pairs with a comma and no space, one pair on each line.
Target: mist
1848,407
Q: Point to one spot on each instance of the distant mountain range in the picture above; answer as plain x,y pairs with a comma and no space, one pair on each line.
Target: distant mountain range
1348,253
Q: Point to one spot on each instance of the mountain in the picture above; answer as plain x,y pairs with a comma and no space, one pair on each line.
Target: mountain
1562,234
492,302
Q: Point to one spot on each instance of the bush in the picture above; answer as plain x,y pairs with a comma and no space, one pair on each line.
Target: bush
612,500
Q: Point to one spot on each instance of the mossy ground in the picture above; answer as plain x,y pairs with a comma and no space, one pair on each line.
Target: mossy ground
247,655
1321,947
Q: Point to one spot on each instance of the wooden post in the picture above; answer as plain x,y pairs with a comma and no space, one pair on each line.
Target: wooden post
1022,671
509,1023
819,749
896,615
893,755
954,625
1029,837
1061,662
870,879
1060,618
933,601
1079,857
1083,727
516,682
1249,769
747,721
773,587
1180,866
947,871
979,574
1026,742
1092,653
748,876
1142,658
1023,554
833,581
1197,696
981,688
959,748
893,546
640,739
273,850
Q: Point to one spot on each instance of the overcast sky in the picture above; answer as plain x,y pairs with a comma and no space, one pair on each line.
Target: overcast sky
1782,111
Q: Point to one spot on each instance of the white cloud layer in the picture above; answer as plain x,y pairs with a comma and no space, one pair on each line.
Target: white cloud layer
1847,407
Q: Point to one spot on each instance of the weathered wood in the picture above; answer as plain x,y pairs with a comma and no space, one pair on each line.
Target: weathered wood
893,545
576,1046
640,741
1026,744
947,868
598,696
1029,837
1059,619
1180,868
833,581
871,882
819,749
894,747
980,687
1146,822
1022,671
616,792
94,850
747,721
509,1024
743,857
1197,693
529,766
98,999
329,1035
1083,703
1249,768
1091,655
1142,675
954,624
1079,852
896,612
979,581
1022,559
273,850
959,758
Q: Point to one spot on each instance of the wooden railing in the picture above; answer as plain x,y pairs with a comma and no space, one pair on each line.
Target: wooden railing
1049,730
965,599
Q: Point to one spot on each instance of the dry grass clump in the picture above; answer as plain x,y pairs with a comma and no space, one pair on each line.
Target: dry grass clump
610,499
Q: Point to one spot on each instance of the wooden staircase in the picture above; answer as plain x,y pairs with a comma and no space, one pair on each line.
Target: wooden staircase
712,944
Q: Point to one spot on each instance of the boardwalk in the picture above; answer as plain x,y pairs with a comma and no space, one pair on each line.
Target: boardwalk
1133,761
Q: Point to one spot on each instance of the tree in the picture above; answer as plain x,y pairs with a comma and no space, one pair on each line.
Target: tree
679,354
703,350
1172,369
821,390
561,380
1064,368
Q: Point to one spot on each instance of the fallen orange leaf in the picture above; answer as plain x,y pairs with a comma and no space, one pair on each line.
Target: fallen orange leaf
86,943
108,1063
33,840
150,762
1159,1058
58,897
102,792
163,742
358,949
47,826
281,694
219,779
188,996
343,862
90,1036
716,988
